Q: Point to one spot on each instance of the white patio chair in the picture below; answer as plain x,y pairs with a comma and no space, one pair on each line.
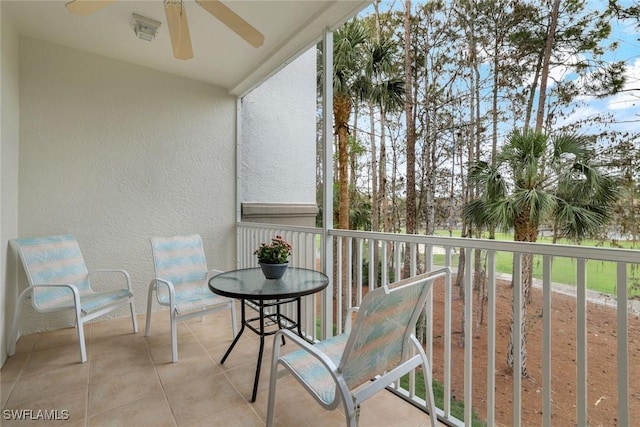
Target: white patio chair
353,366
59,280
181,284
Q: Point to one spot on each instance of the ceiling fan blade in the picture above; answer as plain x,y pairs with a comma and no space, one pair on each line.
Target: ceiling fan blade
178,29
232,20
86,7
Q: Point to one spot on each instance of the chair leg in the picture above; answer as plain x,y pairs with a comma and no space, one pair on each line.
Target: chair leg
273,378
13,338
351,411
428,384
234,325
147,329
279,317
133,316
80,329
174,337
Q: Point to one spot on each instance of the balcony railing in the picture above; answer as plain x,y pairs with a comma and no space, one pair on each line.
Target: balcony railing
401,255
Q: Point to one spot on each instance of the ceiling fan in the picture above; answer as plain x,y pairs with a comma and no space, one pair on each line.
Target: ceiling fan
177,21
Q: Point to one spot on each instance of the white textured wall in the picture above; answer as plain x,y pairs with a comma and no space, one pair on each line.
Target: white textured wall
115,153
9,139
278,154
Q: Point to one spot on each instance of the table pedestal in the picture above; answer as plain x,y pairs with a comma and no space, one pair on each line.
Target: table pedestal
277,318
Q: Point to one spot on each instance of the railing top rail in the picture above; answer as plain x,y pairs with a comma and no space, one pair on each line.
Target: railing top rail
560,250
283,227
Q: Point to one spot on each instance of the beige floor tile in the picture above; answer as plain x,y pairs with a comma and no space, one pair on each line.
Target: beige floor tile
160,347
151,411
329,418
54,358
118,390
121,363
6,387
62,338
294,405
13,366
113,327
200,398
243,377
26,342
244,353
67,406
159,322
34,387
239,415
189,368
104,346
130,380
215,341
217,324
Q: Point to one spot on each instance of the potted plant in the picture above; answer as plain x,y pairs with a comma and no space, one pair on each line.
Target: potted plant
274,257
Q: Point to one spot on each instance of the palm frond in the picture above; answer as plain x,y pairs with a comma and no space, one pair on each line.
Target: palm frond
579,221
502,214
569,144
476,213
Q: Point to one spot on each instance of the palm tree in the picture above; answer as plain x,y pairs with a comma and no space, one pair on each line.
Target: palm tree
348,53
354,58
533,181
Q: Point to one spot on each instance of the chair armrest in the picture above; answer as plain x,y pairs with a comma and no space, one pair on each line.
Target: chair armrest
165,282
307,346
72,288
172,291
125,273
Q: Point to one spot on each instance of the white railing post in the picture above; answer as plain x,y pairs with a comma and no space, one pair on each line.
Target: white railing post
468,333
546,341
623,346
491,338
327,168
581,342
517,339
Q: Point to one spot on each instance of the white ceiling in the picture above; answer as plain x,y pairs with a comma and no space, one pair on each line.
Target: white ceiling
220,56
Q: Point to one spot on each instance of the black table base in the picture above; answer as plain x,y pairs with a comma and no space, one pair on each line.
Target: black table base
277,318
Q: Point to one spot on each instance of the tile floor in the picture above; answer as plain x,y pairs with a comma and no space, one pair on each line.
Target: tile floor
129,380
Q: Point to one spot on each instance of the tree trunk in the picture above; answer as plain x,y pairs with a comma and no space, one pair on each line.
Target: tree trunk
410,126
544,76
524,231
375,205
411,143
341,112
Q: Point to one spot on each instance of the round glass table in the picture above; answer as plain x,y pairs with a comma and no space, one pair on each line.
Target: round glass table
250,286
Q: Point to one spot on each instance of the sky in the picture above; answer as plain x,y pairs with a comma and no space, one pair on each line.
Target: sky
625,106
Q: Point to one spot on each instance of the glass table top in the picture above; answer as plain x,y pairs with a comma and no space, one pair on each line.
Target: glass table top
250,283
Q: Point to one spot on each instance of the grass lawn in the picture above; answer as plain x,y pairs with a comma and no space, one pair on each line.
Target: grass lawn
457,406
600,275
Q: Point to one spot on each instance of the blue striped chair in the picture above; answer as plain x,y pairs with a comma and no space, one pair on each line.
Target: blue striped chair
59,280
181,284
379,349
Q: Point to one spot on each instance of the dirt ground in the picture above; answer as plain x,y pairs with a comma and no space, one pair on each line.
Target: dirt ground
602,399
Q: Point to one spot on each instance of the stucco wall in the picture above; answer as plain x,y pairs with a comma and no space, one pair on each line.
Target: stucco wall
115,153
279,117
9,139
